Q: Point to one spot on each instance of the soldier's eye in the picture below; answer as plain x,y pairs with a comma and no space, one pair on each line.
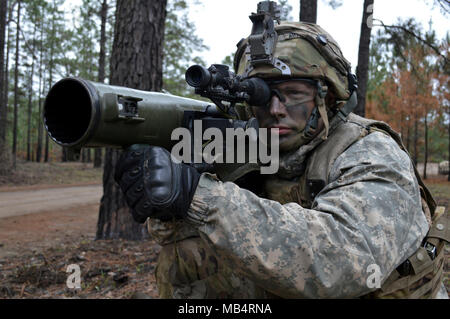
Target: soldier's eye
294,94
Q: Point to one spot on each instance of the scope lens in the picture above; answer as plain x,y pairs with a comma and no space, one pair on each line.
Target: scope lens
198,76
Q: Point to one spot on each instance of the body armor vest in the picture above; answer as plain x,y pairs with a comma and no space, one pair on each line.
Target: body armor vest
421,274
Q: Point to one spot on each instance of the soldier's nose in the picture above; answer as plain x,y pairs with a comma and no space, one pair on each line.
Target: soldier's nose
277,109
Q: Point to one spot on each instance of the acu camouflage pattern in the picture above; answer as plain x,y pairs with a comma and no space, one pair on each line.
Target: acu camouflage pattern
253,247
307,57
236,244
324,251
189,270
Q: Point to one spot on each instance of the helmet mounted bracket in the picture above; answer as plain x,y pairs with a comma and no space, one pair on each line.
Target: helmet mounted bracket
263,38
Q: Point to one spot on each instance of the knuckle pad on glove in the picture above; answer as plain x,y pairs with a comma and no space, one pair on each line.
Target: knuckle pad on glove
134,194
159,179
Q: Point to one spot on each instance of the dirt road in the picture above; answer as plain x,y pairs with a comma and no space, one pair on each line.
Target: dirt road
47,228
34,201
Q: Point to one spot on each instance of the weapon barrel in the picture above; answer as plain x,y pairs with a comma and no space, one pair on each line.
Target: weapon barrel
79,113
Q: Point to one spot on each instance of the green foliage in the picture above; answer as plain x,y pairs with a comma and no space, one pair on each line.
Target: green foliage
286,10
179,45
57,43
228,60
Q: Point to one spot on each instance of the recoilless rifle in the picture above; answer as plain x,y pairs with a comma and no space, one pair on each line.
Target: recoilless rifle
79,113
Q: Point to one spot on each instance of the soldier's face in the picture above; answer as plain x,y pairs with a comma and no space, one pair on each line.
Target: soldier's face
288,112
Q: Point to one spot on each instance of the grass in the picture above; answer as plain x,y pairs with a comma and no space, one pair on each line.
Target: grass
31,173
440,189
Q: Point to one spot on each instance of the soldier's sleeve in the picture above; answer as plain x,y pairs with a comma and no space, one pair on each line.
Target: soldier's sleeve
369,214
168,232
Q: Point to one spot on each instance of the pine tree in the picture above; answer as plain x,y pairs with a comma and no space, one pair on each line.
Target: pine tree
179,46
16,86
3,120
145,21
308,11
363,56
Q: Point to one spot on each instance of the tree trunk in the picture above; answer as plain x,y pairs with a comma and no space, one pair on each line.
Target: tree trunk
102,55
30,106
98,154
426,146
136,62
8,49
30,98
101,67
16,88
416,139
41,92
408,140
362,71
69,155
3,11
50,74
308,11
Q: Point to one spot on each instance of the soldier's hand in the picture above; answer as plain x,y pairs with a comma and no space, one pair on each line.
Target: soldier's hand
154,185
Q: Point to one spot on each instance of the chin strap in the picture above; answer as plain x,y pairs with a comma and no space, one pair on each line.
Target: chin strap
320,111
348,107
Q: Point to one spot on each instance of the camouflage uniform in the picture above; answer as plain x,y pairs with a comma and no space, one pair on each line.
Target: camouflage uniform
280,243
369,213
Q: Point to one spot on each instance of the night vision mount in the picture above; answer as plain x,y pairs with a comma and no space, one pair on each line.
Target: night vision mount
220,85
263,38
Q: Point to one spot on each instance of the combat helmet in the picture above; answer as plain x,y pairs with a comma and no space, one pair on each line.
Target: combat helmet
301,51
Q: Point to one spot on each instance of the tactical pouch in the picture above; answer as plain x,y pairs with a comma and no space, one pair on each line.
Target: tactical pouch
425,266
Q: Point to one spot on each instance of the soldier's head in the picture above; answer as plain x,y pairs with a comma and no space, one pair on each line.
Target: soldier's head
310,81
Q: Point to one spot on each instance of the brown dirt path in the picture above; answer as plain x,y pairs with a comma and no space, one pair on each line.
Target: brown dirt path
25,202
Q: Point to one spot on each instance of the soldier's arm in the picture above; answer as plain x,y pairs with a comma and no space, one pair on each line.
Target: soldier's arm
167,232
370,213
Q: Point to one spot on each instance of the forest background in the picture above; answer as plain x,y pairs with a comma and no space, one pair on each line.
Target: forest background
402,68
44,41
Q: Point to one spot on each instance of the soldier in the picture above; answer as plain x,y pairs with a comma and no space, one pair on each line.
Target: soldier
346,216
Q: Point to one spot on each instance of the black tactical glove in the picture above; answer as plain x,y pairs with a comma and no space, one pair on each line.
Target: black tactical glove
155,186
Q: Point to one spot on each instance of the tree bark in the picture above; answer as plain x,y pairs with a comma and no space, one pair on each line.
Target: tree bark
425,162
102,55
101,67
3,11
41,92
362,71
50,73
16,88
136,62
69,154
6,67
408,141
416,138
30,98
308,11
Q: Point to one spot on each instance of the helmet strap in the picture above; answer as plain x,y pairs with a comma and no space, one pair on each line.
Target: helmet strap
320,108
